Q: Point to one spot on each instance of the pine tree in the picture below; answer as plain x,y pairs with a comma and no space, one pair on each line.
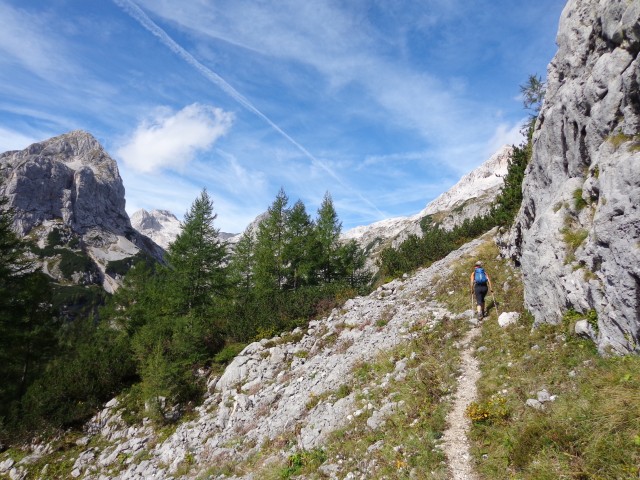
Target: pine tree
243,263
351,264
243,316
27,326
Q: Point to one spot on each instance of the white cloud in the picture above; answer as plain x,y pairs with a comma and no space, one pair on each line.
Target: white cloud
171,140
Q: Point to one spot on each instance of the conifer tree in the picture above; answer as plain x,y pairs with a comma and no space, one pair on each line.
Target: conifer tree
297,246
327,234
196,261
243,316
270,241
27,325
243,263
351,260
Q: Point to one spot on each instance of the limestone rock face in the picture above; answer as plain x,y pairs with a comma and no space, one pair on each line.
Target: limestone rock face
69,177
577,233
67,194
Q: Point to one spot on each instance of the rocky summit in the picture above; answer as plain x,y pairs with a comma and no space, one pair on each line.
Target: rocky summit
161,226
576,235
67,193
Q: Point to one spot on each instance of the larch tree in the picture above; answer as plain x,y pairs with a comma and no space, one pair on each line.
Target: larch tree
327,233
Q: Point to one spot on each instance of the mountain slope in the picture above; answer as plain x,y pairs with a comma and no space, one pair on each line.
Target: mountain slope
293,386
471,196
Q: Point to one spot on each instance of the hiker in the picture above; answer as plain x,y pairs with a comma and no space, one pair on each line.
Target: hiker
480,285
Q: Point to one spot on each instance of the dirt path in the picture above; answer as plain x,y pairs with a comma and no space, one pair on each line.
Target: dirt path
456,443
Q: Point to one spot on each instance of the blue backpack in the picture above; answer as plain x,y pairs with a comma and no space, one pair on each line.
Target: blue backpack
479,276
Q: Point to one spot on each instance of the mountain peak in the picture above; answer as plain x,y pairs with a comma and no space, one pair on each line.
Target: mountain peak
69,177
161,226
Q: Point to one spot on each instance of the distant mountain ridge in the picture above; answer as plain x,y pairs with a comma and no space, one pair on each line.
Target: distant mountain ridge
162,226
472,195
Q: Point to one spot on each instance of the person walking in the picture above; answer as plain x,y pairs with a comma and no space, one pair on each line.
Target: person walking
480,286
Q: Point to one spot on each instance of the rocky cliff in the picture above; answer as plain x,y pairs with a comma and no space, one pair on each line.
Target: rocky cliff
577,233
67,194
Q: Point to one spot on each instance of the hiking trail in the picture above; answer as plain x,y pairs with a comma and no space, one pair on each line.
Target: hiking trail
456,442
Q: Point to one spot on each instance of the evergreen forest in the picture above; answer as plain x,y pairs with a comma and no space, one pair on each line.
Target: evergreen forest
169,325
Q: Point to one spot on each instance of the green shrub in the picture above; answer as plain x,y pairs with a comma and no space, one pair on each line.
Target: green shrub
54,238
228,353
121,267
72,262
495,408
303,461
578,202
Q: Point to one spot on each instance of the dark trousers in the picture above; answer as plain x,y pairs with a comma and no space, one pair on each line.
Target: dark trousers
481,291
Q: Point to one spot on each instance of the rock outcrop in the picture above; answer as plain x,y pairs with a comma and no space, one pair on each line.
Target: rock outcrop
577,233
67,190
69,177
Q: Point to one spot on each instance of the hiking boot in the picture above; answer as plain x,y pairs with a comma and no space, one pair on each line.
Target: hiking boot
480,315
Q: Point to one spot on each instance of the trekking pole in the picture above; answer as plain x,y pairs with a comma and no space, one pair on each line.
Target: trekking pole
495,303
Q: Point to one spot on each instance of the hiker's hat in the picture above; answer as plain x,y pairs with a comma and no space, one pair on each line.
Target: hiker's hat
478,263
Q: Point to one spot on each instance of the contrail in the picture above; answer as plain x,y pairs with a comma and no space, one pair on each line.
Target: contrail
138,14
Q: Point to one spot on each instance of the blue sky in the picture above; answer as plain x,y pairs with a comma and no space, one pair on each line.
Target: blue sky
383,103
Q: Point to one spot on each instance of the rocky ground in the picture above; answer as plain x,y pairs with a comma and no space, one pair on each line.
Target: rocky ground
288,389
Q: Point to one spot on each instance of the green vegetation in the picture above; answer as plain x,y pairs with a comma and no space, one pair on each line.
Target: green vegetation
66,348
303,462
578,202
72,262
573,238
620,138
121,267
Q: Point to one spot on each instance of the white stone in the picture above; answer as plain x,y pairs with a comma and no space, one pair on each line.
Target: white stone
543,396
508,318
7,464
585,330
